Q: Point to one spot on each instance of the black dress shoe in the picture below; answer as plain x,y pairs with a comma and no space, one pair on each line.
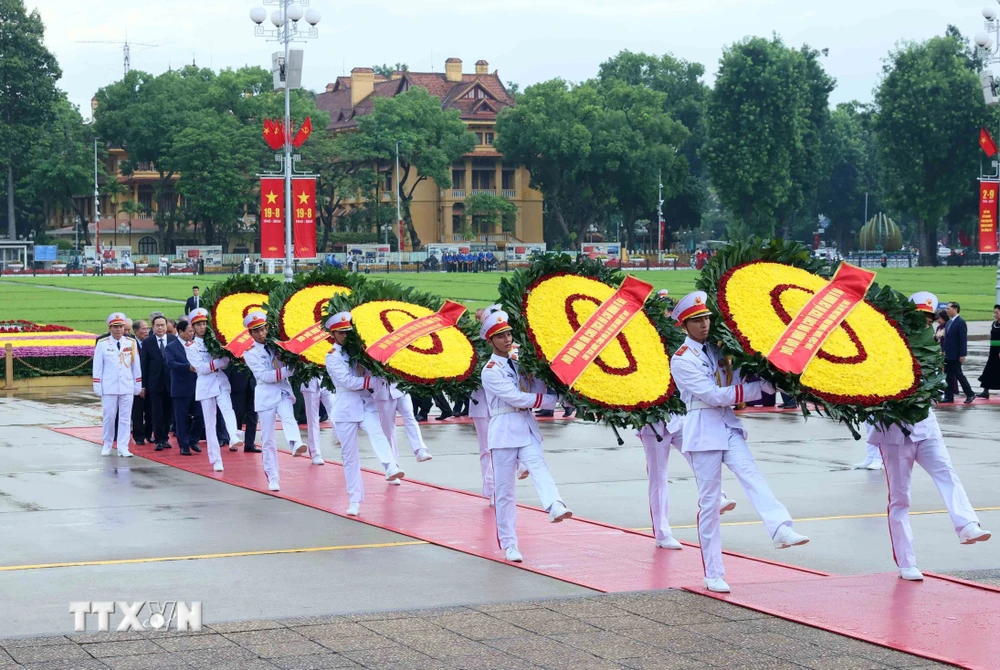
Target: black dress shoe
568,412
444,416
139,441
969,400
254,449
545,413
946,401
195,447
985,395
159,447
420,417
185,451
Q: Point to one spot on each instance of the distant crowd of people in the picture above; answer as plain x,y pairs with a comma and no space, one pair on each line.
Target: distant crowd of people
470,262
951,332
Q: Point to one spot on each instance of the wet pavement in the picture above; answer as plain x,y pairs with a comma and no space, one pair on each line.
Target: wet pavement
250,557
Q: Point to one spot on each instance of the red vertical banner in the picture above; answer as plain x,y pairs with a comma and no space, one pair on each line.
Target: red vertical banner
988,217
272,218
304,217
399,236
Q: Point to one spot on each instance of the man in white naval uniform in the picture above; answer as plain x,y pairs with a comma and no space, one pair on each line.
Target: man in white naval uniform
313,394
924,445
212,389
671,435
389,400
513,434
272,397
117,379
353,410
713,435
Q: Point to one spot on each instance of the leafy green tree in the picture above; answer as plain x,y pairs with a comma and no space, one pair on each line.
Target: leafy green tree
28,94
490,210
430,140
764,120
388,70
60,164
930,109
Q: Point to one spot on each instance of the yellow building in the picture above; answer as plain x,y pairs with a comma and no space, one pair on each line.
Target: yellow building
478,97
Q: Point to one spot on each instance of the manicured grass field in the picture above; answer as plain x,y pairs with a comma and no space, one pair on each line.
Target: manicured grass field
32,298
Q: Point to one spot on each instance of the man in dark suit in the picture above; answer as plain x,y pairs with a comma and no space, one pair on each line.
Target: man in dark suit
194,302
955,344
243,384
183,379
156,380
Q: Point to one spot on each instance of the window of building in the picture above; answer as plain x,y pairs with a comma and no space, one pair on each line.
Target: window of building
479,138
458,178
475,94
146,201
483,180
508,180
488,138
147,245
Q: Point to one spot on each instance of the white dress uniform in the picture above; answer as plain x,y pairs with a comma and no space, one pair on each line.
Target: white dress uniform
353,410
514,436
713,435
924,445
117,379
389,400
313,394
273,397
479,412
212,390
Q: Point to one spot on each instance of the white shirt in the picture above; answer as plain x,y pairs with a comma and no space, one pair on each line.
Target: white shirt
272,383
116,366
352,383
510,397
211,382
893,435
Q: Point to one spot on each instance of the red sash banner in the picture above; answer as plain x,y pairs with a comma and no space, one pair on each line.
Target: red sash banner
827,309
240,344
988,217
389,345
603,326
304,217
272,218
312,335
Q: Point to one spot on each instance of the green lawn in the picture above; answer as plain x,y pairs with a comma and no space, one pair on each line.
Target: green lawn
27,297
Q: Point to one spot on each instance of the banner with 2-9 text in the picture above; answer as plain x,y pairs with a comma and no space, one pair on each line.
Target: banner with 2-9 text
988,217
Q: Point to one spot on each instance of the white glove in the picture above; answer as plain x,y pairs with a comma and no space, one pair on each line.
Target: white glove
221,363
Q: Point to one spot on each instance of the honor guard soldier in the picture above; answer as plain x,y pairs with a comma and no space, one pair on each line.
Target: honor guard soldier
671,435
212,389
353,410
313,394
117,379
713,435
391,401
273,397
923,443
513,434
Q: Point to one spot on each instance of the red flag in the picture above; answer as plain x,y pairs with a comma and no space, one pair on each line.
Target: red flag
272,134
303,133
986,142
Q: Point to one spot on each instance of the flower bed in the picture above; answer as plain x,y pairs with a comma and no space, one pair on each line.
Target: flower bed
47,350
880,363
629,384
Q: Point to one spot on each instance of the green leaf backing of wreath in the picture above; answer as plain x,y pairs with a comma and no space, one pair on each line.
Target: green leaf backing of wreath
216,292
381,289
893,304
514,291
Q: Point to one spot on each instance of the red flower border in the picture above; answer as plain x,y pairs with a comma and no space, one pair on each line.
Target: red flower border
215,331
14,326
865,400
538,351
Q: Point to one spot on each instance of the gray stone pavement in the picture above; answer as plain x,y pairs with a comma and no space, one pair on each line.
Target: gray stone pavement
642,631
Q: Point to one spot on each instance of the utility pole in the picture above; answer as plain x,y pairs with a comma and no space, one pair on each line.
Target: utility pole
659,218
399,216
97,205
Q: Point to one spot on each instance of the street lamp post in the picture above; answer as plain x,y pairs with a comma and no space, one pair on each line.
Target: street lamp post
989,52
286,30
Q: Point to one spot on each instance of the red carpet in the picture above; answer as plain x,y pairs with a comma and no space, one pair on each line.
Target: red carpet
940,619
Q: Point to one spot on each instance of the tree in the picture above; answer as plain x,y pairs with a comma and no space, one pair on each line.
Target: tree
60,163
430,140
28,94
488,211
850,174
389,70
764,119
930,110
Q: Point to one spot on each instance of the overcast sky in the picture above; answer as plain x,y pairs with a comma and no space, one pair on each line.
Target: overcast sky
526,40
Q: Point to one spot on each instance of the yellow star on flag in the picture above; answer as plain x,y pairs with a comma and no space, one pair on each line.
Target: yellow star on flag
272,198
303,198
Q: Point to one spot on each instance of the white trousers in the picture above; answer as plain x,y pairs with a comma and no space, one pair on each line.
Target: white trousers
932,455
312,402
208,406
505,462
657,458
872,453
387,410
482,424
122,405
707,466
269,442
347,433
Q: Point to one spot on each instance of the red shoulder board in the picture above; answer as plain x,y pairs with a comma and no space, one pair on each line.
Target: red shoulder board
490,364
681,350
189,343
